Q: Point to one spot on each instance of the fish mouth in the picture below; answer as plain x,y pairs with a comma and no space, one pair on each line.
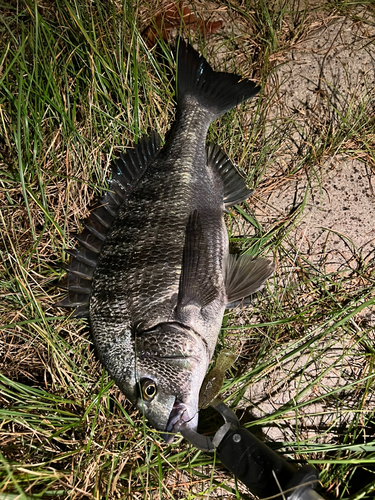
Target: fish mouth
178,418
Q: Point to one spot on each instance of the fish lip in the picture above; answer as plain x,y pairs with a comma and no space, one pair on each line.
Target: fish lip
179,417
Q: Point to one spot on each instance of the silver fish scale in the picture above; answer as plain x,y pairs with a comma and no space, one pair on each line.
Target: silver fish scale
136,280
151,349
153,273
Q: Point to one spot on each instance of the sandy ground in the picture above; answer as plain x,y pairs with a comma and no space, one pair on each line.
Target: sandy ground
334,67
338,61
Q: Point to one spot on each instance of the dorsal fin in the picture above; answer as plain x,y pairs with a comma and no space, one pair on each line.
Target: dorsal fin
126,173
129,168
235,189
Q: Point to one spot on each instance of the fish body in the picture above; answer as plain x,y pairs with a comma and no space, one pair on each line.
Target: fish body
153,272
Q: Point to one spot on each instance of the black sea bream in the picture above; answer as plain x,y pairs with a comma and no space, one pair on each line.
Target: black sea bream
153,271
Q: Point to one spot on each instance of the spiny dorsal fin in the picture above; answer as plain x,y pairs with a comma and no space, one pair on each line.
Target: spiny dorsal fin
235,190
245,275
196,285
126,173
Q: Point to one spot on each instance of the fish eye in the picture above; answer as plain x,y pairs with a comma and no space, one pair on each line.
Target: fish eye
149,389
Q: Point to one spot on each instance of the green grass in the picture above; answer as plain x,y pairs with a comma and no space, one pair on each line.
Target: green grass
77,83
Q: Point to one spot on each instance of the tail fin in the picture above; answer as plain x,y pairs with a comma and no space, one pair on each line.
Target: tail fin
215,91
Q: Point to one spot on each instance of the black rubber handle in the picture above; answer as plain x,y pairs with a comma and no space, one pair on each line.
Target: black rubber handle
262,470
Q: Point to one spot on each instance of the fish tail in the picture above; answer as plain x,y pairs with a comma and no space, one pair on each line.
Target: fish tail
215,91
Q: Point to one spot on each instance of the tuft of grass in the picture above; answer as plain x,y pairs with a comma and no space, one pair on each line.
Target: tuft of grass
77,83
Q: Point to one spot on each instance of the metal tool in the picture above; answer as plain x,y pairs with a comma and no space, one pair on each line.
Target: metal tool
265,472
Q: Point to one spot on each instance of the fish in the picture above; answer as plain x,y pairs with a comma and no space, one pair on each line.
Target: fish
152,271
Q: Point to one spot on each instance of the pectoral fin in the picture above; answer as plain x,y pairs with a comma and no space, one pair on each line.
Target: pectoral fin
196,283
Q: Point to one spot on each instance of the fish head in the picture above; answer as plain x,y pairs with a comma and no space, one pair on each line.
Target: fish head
171,362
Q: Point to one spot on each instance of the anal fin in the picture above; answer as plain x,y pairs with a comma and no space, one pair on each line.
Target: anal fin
235,190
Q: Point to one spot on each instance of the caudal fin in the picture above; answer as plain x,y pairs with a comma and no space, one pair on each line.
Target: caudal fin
215,91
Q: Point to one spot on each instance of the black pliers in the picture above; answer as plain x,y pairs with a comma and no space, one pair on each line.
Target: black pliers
265,472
